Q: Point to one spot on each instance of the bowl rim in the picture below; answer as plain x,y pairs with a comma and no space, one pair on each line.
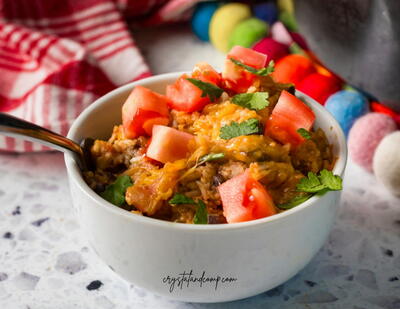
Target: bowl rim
74,171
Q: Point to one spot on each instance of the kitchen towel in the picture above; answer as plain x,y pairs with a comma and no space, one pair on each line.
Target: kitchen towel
57,57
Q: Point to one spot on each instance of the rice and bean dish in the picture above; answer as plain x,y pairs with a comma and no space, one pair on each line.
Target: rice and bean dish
216,148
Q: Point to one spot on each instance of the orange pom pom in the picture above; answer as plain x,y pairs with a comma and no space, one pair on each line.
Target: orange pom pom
293,69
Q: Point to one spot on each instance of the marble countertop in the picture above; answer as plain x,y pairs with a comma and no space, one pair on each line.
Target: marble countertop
45,261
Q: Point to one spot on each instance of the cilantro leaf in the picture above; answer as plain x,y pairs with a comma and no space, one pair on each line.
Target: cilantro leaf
311,184
115,192
235,129
179,198
201,214
208,90
262,72
332,182
319,185
326,181
294,202
304,133
210,157
255,101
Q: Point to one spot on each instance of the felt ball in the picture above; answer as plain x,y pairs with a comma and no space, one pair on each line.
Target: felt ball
346,106
286,5
267,12
299,39
319,86
273,49
386,162
281,34
293,69
366,134
224,21
288,20
247,32
201,19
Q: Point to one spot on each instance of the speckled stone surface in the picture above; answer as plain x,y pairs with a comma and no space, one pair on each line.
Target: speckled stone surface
45,261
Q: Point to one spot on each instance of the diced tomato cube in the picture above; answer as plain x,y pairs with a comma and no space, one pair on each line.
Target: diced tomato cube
206,73
134,126
293,69
237,78
168,144
260,200
185,96
141,106
289,115
244,199
248,56
148,124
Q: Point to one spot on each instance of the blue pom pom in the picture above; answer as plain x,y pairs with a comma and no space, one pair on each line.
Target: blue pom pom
266,11
346,106
201,19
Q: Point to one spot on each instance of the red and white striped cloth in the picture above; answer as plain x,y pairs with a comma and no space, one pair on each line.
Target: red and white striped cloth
57,57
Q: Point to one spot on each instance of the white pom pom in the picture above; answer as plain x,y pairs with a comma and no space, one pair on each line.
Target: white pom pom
386,162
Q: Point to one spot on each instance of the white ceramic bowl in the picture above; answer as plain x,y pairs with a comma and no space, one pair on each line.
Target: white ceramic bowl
199,263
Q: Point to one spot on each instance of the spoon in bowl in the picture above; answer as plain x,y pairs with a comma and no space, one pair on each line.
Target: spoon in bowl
15,127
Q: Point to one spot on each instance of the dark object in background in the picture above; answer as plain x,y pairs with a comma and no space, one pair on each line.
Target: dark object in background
359,40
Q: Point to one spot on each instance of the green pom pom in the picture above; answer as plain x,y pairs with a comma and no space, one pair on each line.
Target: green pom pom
248,32
288,20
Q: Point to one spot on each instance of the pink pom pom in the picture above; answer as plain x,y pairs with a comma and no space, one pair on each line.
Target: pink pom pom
273,49
279,33
365,136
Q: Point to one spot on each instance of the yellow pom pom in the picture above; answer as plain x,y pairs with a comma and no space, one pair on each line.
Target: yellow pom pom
224,21
286,5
